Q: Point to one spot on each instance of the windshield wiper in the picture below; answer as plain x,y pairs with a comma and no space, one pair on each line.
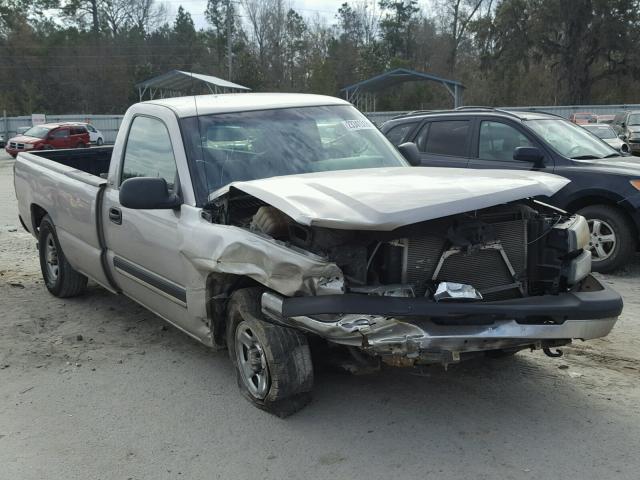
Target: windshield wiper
585,157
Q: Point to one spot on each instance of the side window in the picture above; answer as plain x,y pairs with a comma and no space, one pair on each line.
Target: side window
499,140
398,133
148,152
444,138
62,133
91,128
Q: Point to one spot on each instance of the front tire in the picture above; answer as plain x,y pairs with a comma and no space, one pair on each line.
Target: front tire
273,363
612,240
99,142
59,276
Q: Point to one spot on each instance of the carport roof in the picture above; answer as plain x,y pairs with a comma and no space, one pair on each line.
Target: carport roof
394,77
177,80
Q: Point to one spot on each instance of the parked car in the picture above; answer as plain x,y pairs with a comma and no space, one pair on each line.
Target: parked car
627,124
49,136
606,118
605,187
2,143
95,135
582,118
607,134
269,232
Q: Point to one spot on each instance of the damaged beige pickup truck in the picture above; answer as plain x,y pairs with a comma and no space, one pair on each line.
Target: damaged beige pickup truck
270,222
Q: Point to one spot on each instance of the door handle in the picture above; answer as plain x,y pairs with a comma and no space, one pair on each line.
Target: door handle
115,215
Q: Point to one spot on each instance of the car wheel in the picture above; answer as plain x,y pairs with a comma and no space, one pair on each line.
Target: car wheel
99,142
59,276
612,240
273,363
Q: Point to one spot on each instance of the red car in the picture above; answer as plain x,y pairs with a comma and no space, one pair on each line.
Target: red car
49,136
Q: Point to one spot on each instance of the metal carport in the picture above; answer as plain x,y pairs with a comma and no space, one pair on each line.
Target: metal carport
363,94
176,83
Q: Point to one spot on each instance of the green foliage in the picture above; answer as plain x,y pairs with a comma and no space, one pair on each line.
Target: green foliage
87,55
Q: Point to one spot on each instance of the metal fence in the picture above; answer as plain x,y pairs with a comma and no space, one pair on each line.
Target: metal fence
109,124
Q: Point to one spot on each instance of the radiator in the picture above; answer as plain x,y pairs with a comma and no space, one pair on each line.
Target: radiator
484,269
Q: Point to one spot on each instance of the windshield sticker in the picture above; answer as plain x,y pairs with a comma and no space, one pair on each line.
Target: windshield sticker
357,125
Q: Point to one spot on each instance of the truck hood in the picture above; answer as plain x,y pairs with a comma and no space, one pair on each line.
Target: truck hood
25,139
387,198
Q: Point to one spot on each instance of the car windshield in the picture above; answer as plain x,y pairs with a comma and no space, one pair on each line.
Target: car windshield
570,140
601,131
37,132
230,147
634,119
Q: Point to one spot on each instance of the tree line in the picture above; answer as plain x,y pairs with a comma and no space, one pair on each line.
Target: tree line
85,56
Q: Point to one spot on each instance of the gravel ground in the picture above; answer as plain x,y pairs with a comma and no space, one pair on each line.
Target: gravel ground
97,387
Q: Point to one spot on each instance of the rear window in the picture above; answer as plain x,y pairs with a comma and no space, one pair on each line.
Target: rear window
445,138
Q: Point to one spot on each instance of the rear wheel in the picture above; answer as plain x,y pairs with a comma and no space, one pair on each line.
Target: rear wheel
273,363
99,142
59,276
612,240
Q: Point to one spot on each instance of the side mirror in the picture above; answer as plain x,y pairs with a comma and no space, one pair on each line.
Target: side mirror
409,150
147,193
622,136
623,125
529,154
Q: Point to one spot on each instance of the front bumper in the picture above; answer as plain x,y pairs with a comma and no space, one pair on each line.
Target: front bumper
634,146
420,328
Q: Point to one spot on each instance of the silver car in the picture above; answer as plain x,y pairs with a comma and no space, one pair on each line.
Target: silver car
608,135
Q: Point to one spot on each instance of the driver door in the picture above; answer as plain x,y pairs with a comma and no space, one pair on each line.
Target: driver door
496,144
144,245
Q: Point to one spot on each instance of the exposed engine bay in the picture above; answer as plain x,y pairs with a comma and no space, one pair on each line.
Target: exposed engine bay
503,252
501,278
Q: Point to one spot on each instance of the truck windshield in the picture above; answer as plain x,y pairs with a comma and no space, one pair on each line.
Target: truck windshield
570,140
230,147
37,132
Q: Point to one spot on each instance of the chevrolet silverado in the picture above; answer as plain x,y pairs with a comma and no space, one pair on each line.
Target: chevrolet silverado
265,223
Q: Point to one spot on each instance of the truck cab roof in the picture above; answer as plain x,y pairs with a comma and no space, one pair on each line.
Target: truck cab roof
241,102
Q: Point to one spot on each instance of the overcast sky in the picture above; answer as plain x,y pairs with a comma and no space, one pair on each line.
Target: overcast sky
307,8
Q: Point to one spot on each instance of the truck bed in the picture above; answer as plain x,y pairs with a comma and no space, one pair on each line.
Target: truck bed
94,160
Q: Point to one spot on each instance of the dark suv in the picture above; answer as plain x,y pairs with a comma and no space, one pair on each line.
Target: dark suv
604,188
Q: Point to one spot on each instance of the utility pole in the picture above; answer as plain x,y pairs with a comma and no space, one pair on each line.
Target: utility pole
229,39
6,126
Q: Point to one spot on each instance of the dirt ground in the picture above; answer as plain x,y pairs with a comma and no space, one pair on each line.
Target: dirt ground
96,387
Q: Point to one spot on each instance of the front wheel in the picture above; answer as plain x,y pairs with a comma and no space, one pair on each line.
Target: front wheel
99,142
58,275
273,363
612,241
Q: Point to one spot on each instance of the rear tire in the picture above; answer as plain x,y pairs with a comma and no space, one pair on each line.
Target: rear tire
273,363
59,276
613,240
99,142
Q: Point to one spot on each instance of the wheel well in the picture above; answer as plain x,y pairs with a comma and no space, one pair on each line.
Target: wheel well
583,202
220,286
37,214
